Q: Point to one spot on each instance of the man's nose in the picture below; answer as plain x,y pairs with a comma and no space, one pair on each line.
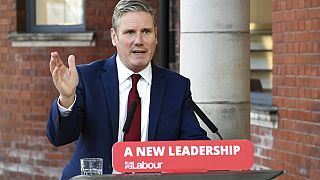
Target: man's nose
138,40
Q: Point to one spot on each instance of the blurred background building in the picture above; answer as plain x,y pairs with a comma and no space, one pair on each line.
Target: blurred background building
283,55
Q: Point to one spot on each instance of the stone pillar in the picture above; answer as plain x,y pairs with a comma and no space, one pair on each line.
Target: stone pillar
214,54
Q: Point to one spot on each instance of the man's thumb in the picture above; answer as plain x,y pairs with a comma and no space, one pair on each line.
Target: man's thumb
72,62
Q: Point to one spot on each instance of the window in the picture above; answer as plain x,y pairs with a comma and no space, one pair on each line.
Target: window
51,23
45,16
262,113
261,51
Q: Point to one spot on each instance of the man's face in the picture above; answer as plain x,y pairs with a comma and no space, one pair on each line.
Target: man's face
135,40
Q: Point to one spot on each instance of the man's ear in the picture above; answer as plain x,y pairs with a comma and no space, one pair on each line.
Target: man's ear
113,35
156,34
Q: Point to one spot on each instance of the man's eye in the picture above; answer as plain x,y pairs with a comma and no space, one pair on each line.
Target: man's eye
146,31
130,32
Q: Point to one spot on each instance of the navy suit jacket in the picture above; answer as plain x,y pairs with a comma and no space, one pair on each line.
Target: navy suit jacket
94,120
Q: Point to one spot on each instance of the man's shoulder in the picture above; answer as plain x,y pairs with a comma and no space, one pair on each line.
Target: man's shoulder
94,66
168,74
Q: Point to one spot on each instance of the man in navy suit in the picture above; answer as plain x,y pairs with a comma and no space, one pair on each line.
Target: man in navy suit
92,106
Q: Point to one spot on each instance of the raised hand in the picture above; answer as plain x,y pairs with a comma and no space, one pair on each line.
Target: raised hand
65,79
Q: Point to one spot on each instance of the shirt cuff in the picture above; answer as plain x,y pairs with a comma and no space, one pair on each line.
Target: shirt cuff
64,112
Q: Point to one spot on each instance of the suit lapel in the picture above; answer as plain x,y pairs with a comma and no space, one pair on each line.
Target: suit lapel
111,87
158,87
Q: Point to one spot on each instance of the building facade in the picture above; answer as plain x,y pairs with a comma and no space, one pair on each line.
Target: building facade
285,121
26,87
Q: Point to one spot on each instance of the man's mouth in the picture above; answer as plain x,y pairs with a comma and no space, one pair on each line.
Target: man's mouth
139,51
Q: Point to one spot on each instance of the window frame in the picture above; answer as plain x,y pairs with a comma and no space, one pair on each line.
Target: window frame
32,27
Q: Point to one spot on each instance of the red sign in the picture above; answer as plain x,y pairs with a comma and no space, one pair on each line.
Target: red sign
182,156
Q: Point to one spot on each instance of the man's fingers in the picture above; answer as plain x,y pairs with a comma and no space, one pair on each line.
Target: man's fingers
52,63
57,58
55,76
72,62
55,61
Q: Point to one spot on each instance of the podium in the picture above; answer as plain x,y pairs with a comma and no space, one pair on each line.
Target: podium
184,160
216,175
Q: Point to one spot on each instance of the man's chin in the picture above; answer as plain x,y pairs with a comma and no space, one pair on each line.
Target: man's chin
139,57
139,67
140,61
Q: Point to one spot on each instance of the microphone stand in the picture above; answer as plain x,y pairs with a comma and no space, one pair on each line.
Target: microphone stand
204,118
130,115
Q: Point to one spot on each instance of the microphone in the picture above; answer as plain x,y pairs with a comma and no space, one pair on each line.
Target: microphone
130,115
204,118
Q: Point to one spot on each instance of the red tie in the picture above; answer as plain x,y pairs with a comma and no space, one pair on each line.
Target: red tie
134,132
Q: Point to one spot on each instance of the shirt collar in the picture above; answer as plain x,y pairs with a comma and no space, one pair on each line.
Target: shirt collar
124,73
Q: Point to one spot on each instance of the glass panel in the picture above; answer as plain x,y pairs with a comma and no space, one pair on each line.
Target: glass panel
59,12
260,14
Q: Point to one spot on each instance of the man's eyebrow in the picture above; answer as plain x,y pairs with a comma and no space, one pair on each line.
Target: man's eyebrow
147,28
129,29
133,29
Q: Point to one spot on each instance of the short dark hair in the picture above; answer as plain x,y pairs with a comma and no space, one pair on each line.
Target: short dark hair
125,6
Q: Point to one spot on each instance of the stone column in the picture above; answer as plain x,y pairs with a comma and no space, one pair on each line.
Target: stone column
214,54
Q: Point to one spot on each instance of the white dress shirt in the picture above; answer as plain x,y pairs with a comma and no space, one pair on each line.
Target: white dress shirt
144,88
125,83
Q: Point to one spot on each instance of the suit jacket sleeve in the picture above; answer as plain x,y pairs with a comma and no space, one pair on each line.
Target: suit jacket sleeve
64,130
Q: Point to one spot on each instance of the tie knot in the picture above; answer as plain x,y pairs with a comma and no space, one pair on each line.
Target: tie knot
135,78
